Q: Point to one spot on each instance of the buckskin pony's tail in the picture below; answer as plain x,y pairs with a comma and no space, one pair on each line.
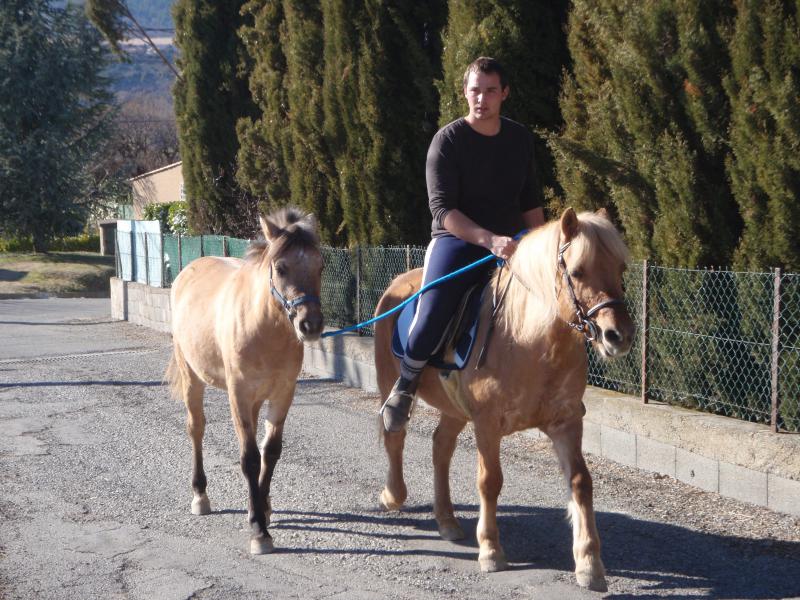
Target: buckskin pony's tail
173,376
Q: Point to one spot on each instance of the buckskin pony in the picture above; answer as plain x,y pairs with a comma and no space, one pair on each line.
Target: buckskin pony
562,286
239,325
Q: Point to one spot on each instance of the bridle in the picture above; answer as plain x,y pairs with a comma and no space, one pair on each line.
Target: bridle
290,306
584,322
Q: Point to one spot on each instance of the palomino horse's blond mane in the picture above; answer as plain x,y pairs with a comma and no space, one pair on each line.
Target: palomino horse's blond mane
298,230
530,309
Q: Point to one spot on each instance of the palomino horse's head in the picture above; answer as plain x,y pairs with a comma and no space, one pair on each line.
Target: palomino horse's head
292,257
583,257
591,261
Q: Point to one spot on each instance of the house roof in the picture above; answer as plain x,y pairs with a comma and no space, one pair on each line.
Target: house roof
154,171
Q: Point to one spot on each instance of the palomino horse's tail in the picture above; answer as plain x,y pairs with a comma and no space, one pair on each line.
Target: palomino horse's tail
173,376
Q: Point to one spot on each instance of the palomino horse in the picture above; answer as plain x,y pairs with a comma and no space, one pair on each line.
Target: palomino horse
239,325
564,283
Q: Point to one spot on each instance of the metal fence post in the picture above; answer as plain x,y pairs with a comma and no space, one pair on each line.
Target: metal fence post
146,259
180,251
224,245
358,287
201,245
408,257
776,337
162,260
117,261
645,319
133,254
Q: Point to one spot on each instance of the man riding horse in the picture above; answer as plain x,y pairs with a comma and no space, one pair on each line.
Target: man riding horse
482,190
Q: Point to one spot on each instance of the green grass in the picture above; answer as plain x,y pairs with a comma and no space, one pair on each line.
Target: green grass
55,274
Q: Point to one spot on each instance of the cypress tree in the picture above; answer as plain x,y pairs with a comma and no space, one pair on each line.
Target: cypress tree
209,99
284,155
265,140
646,125
311,173
764,166
381,58
527,37
343,129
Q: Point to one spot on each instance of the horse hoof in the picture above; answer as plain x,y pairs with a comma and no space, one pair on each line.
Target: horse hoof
596,583
388,501
451,531
261,545
201,505
493,563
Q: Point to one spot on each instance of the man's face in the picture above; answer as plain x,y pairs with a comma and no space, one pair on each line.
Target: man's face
484,95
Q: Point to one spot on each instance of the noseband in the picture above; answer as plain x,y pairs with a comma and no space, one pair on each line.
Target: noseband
584,322
290,305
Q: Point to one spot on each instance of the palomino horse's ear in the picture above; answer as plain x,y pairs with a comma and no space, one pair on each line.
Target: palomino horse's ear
602,212
270,230
569,224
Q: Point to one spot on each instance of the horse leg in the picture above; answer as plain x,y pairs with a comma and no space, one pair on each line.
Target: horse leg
589,569
250,458
394,492
490,481
444,444
273,444
192,389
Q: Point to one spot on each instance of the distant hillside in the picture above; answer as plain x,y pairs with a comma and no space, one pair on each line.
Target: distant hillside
145,75
152,14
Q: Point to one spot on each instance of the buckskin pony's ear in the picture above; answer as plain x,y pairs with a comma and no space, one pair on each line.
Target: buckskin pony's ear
270,230
602,212
311,221
569,225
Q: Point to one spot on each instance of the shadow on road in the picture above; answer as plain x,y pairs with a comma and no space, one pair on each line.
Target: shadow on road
34,384
667,558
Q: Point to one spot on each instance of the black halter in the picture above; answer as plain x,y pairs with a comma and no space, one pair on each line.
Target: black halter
290,305
584,323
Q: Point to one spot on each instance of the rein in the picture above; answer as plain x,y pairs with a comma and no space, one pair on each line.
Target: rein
584,322
290,306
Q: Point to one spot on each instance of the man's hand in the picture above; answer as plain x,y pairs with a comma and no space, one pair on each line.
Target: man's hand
503,246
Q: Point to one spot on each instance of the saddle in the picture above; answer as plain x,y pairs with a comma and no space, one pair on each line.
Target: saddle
454,349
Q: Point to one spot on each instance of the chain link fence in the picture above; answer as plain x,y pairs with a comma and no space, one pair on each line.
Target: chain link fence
718,341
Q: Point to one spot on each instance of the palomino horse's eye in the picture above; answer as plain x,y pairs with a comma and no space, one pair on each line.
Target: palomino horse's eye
576,273
280,268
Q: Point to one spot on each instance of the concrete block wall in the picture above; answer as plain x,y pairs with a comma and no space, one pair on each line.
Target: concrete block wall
140,304
740,460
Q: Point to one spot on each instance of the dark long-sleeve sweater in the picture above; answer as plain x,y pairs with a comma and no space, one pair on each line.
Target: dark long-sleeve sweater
491,179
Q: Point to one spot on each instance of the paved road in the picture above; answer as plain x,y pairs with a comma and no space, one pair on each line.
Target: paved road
95,495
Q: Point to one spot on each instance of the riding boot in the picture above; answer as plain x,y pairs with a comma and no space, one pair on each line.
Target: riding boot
396,411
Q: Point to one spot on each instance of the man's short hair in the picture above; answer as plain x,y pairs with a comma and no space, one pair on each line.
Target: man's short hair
487,65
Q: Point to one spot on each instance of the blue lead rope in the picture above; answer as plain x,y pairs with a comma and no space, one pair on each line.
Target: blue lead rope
424,288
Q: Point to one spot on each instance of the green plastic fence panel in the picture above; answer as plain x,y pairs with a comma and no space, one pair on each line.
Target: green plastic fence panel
213,245
190,249
237,247
171,266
